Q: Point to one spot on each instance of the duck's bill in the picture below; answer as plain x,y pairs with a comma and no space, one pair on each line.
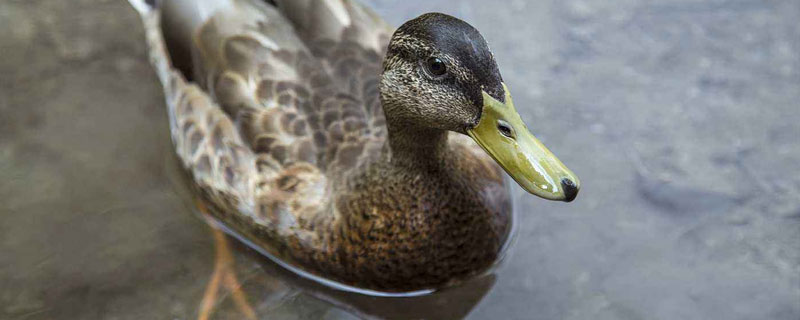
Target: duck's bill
505,137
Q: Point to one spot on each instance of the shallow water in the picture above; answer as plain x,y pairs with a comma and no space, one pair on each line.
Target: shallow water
680,117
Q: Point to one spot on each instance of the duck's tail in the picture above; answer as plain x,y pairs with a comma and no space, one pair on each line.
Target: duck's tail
143,6
159,57
190,12
176,21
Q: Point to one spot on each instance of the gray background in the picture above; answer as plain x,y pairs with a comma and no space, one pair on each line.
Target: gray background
681,117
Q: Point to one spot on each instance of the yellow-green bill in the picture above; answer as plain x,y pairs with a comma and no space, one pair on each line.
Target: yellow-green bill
506,138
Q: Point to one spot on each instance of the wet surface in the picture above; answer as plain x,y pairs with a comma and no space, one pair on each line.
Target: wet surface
680,117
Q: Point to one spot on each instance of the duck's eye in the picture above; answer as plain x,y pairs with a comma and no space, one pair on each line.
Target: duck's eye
435,67
505,129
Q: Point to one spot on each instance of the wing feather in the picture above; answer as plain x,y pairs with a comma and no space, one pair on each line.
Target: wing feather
274,116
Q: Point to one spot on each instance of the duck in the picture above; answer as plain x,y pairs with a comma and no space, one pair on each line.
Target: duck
369,156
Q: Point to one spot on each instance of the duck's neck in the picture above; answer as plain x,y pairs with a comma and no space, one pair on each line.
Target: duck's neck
414,147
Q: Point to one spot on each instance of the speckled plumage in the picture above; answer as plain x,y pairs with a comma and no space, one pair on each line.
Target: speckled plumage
281,126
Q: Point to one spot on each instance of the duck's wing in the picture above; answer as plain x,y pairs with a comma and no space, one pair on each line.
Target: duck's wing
244,126
350,41
265,126
292,104
249,60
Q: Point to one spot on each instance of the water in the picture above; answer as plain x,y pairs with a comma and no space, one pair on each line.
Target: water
680,117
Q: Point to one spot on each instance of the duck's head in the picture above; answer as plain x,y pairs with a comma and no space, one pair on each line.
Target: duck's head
439,73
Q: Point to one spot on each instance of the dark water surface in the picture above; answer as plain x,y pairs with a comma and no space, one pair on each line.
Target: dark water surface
681,117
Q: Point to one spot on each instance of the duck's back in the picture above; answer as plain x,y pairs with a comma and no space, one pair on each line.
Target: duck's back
300,79
296,88
278,104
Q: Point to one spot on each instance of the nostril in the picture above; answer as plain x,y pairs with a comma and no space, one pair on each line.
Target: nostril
570,189
505,129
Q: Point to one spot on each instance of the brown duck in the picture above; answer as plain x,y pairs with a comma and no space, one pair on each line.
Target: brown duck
342,148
